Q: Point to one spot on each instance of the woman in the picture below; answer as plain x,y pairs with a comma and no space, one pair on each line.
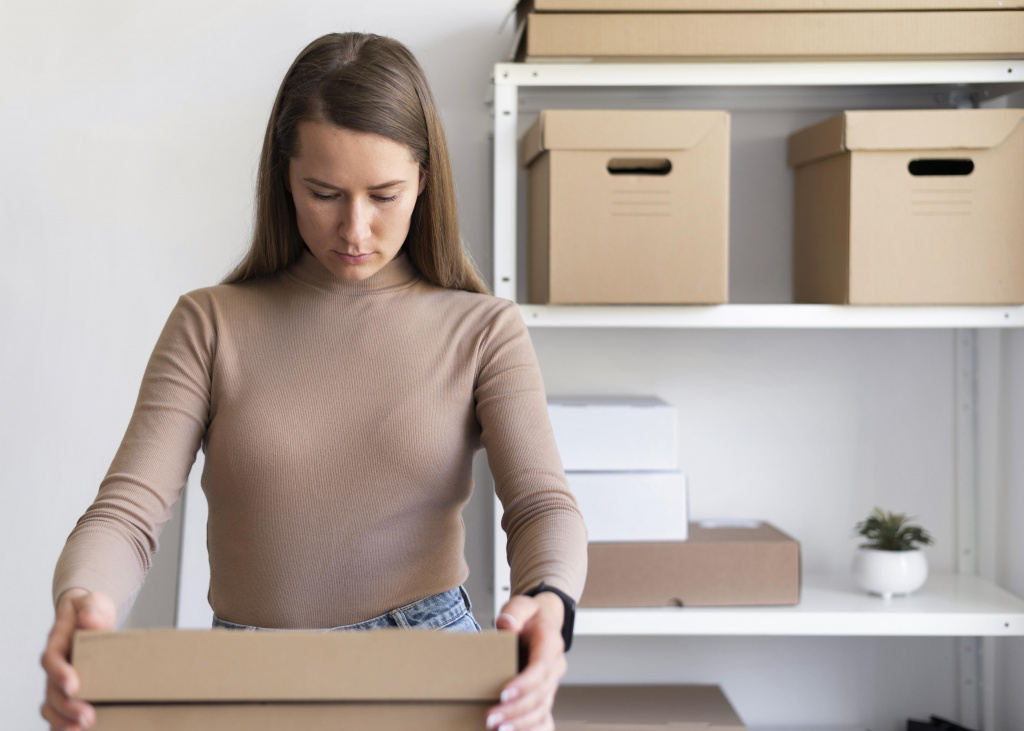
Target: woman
340,381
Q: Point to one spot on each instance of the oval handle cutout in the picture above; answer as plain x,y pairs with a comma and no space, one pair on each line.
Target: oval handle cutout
639,166
941,167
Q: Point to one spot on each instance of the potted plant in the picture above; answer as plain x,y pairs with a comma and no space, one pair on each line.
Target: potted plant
891,561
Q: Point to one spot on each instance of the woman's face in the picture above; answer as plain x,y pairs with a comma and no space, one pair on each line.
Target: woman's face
354,194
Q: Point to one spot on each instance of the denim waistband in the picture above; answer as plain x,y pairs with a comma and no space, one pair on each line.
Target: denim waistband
449,610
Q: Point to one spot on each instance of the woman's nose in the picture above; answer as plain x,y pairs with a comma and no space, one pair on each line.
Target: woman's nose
355,226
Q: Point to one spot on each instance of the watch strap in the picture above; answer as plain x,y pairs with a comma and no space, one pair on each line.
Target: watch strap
570,609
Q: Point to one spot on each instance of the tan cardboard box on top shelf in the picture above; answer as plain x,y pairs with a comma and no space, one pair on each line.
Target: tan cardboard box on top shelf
910,207
628,206
901,29
644,708
171,680
734,6
727,564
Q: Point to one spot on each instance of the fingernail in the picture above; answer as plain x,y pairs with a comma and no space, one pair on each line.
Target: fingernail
509,694
493,720
506,727
509,618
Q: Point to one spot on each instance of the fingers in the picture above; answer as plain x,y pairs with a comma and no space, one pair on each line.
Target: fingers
69,712
76,609
516,613
528,698
58,648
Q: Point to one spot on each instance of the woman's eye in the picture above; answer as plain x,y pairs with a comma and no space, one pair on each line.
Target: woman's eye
322,196
383,199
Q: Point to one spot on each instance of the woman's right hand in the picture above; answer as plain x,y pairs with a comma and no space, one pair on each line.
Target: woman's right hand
76,609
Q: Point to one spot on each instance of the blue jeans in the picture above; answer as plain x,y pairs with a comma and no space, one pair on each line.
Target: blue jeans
450,610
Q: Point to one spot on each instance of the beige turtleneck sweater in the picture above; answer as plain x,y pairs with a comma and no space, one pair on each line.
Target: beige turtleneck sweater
339,422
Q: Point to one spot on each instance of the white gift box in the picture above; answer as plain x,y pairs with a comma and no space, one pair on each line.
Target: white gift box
632,506
620,433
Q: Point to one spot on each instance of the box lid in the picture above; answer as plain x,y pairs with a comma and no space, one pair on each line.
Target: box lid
618,129
926,129
643,707
224,665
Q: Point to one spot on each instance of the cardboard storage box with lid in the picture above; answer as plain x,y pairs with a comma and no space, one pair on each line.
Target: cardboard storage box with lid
910,207
646,30
720,564
223,680
628,207
644,708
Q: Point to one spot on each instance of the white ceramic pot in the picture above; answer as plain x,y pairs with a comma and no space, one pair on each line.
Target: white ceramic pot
889,573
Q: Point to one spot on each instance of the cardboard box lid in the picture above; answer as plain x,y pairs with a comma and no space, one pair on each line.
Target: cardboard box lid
927,129
224,665
642,707
617,129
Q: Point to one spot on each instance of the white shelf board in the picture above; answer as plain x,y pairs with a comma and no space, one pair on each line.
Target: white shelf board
771,73
771,316
949,605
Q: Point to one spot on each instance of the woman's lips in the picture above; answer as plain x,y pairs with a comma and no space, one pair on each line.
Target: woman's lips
352,258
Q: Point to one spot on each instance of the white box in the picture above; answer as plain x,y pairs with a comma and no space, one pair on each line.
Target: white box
617,433
631,506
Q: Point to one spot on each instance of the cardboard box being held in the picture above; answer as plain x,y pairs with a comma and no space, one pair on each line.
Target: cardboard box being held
727,565
632,506
644,708
910,207
628,207
940,34
614,433
215,680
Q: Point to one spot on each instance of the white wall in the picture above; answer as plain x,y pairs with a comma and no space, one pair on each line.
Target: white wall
130,135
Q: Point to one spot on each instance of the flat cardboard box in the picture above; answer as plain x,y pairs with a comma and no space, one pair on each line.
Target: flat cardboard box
954,34
910,207
221,680
628,207
723,565
631,506
614,433
720,6
166,665
644,708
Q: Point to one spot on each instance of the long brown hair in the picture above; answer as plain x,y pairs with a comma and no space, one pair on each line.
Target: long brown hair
364,83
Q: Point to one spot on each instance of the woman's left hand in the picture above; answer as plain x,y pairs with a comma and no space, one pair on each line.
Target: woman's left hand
526,700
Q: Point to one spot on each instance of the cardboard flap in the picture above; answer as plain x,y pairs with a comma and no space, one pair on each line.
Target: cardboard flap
619,129
664,707
929,129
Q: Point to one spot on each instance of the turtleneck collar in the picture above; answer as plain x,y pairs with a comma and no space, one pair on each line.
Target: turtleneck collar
396,274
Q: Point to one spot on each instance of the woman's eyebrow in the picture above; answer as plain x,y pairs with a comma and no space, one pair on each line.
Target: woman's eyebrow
372,187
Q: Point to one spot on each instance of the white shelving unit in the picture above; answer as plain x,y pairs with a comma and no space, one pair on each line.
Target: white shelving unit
963,604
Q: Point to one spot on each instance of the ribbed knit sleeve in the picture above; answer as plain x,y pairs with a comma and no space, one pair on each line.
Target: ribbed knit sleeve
547,539
110,548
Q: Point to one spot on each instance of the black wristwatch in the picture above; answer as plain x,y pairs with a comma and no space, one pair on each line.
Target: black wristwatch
570,610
